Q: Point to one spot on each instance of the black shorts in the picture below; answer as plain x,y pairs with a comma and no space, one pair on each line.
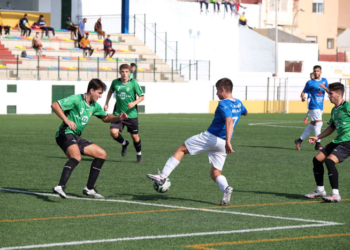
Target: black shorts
132,124
66,140
340,150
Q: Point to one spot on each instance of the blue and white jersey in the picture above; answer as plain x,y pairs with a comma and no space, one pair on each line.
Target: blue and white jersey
315,93
226,108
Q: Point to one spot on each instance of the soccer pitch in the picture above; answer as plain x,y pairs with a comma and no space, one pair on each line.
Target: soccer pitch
267,210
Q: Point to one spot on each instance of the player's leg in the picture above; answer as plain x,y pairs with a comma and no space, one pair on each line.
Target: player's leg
133,128
99,156
170,165
222,183
137,144
307,130
68,143
306,117
318,171
115,130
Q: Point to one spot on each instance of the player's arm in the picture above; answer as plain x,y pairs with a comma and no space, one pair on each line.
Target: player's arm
107,100
59,112
328,131
113,118
303,97
322,85
229,131
137,101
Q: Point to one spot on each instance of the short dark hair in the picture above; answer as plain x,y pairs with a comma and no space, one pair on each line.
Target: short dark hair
226,84
317,67
41,15
336,86
96,84
133,65
25,14
124,66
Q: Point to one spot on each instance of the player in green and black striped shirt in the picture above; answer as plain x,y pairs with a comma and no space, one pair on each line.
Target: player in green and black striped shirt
336,151
75,112
125,89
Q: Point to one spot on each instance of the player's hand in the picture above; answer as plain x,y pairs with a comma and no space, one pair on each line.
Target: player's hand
131,105
322,85
228,148
71,125
303,99
313,139
105,107
123,116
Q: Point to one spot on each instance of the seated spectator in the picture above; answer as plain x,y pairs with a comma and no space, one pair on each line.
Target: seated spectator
85,45
107,44
242,19
98,28
22,25
227,2
216,3
8,6
133,70
235,6
81,30
206,4
6,28
36,43
71,26
41,23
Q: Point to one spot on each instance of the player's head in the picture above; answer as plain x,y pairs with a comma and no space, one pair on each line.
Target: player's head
312,75
132,67
96,88
224,85
335,91
317,71
124,71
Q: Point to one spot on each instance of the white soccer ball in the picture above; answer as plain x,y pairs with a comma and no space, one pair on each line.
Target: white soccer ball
162,188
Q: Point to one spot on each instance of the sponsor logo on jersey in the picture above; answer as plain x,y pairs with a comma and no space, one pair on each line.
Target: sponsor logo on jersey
339,116
127,89
83,119
123,95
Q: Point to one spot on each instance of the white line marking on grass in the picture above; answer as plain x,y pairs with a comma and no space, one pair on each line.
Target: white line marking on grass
272,124
165,236
171,206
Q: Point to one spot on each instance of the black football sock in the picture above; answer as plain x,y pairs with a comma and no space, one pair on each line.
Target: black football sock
137,146
67,171
120,138
332,173
318,171
96,166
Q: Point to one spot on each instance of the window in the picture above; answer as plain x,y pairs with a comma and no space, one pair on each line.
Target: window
317,6
311,39
11,88
330,43
293,66
11,109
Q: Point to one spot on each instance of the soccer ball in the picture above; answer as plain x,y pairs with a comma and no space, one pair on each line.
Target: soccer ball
162,188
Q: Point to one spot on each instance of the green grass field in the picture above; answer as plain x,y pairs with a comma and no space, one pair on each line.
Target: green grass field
267,210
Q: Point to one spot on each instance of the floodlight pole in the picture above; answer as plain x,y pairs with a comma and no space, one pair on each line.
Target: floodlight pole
276,38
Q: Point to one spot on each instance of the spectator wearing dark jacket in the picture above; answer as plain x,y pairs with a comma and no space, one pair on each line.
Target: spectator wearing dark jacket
41,23
107,44
71,26
22,25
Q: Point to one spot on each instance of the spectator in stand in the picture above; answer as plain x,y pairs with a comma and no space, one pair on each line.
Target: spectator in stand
216,3
81,30
37,45
242,19
71,26
107,44
2,26
236,5
133,71
22,25
41,23
98,28
85,44
8,6
206,4
227,2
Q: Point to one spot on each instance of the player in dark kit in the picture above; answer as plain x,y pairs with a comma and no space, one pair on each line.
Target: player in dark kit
75,112
125,89
336,151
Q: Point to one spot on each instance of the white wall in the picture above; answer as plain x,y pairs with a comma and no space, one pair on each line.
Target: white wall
45,6
56,14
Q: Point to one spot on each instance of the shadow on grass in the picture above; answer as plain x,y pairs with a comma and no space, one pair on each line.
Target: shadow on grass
32,192
157,197
289,196
88,159
294,149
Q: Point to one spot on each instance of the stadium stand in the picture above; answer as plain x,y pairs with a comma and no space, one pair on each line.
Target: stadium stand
64,61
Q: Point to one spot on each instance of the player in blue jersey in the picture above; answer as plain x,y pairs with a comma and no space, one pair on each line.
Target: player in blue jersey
216,141
316,94
312,76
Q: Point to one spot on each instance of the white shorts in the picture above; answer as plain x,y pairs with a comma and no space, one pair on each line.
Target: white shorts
316,115
213,145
